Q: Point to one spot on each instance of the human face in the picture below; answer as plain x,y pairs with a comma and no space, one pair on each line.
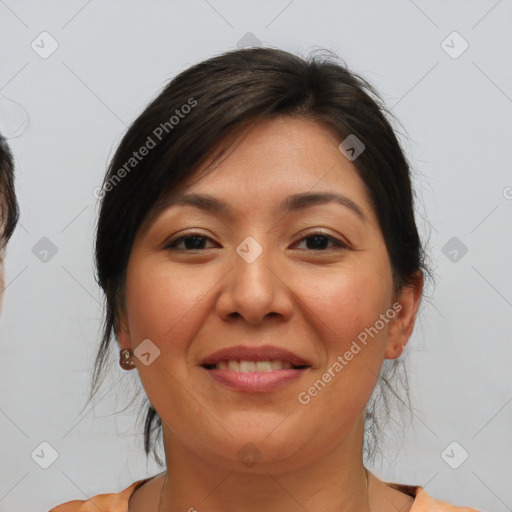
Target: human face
193,299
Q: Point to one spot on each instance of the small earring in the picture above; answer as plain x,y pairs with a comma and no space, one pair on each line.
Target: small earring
125,361
399,349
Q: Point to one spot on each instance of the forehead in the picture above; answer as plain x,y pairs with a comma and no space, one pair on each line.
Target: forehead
274,159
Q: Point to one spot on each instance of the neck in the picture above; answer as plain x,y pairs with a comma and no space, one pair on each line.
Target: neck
334,482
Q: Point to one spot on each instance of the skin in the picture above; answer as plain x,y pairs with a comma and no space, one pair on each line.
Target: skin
312,301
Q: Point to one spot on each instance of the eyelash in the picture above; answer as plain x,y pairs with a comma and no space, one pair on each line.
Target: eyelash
338,244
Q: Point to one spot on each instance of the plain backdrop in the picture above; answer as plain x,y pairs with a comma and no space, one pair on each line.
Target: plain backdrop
75,74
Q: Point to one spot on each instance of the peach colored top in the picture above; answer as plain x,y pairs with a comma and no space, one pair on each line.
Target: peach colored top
118,502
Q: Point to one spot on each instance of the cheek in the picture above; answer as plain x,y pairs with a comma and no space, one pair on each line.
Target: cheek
345,304
346,310
164,306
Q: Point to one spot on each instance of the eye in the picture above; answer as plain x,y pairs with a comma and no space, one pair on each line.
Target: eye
318,240
196,241
193,241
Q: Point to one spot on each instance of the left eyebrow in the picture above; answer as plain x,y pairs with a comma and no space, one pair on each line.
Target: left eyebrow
308,199
292,203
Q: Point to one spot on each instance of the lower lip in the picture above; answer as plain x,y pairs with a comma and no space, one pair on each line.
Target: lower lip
253,382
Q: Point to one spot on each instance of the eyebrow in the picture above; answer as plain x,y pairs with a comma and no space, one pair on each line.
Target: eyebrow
293,203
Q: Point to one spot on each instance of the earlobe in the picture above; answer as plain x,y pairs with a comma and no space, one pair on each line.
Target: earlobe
126,360
402,325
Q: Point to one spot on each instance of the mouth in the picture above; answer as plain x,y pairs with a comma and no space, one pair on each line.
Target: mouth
264,358
247,366
254,369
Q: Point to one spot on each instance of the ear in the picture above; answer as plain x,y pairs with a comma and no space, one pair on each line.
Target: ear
401,327
123,331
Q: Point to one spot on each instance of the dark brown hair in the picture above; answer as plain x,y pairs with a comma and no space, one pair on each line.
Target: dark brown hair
9,211
187,123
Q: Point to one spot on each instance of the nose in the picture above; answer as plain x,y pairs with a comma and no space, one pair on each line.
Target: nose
255,289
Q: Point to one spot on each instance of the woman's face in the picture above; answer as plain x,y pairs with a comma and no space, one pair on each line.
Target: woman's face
253,275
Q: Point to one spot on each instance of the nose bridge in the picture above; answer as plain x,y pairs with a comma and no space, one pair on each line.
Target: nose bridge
253,262
253,289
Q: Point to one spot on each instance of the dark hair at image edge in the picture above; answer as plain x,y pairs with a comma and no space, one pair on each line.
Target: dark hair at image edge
9,210
227,94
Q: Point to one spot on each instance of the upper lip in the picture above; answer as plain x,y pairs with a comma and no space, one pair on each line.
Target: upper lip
259,353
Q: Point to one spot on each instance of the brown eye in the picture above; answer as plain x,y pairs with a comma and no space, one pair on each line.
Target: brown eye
320,240
314,241
192,242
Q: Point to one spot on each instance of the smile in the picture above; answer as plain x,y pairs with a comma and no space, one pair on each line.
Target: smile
254,369
245,366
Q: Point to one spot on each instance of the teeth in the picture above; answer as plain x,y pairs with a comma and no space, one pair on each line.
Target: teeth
247,366
263,366
276,365
233,365
253,366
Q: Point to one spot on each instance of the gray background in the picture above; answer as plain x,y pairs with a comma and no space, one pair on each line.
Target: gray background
64,114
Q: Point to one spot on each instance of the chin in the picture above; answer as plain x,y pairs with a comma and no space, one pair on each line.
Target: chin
258,447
